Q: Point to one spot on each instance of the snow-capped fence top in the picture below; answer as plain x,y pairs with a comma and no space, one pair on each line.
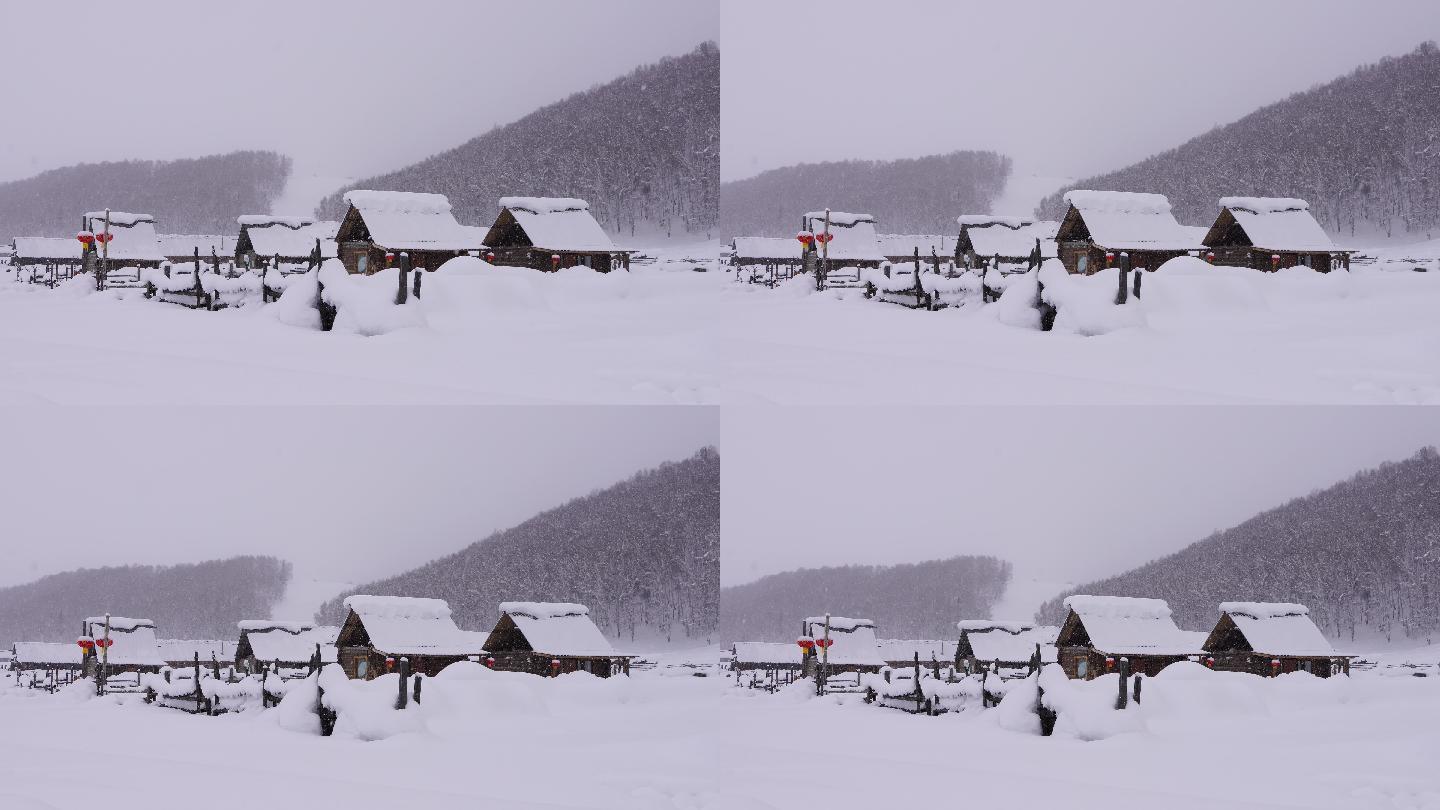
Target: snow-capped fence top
1129,625
1128,220
410,220
410,625
555,628
853,236
556,223
1271,223
1271,628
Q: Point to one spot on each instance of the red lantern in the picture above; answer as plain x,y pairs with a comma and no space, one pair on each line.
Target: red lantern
1210,257
389,257
86,643
1274,666
555,665
806,643
1275,260
490,257
1210,662
824,237
104,642
85,237
104,237
555,260
805,238
490,662
389,663
1109,663
1109,258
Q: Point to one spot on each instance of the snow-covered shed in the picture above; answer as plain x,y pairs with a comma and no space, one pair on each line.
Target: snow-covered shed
984,642
551,233
766,655
853,241
179,247
133,646
765,251
181,652
43,250
378,628
395,222
901,247
1098,223
1100,630
133,241
983,237
293,239
290,644
901,652
1253,636
552,638
44,655
1270,233
854,647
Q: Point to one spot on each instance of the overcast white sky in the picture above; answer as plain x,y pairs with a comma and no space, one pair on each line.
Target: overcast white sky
345,494
346,87
1064,87
1064,493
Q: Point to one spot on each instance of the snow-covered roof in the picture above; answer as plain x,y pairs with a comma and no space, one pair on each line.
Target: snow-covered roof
905,244
185,245
1004,238
903,649
185,649
290,642
281,236
766,247
1277,628
46,652
558,223
46,247
406,625
1009,641
289,221
133,236
1125,625
766,652
854,639
1128,220
993,219
558,628
854,238
410,220
134,640
1275,223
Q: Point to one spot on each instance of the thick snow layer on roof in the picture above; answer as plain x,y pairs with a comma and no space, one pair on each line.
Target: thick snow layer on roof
292,647
119,623
1127,220
407,625
262,625
292,241
1016,241
1278,628
766,652
839,623
274,219
1011,642
903,649
134,640
1130,625
766,247
1278,224
854,235
905,244
46,652
46,247
558,628
185,649
558,223
120,218
133,236
994,624
544,205
993,219
408,220
185,244
854,639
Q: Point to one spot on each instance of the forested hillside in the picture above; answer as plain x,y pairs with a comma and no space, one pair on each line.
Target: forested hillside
916,600
200,195
1363,149
644,555
200,600
916,195
644,150
1364,555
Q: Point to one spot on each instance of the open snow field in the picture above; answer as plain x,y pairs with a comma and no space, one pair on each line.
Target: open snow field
1230,337
483,740
1201,740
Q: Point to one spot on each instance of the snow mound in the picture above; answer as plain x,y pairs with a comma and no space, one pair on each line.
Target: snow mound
1085,305
365,305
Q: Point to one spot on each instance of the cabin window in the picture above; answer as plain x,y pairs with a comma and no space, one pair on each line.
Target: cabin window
1082,668
362,668
362,265
1082,265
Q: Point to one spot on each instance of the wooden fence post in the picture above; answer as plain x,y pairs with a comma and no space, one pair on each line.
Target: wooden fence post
1120,700
1124,278
400,700
404,289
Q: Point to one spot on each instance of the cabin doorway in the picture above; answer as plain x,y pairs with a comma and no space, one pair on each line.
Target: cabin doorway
362,669
1082,267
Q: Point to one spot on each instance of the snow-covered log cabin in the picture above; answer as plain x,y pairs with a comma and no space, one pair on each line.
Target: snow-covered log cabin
133,647
552,233
380,630
395,222
1271,233
768,656
291,645
853,241
1271,638
1101,224
177,248
552,638
765,251
133,241
26,656
986,236
31,251
853,645
984,642
1101,630
266,236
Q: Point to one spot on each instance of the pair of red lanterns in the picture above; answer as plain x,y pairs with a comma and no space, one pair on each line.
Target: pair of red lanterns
807,643
87,644
821,238
87,238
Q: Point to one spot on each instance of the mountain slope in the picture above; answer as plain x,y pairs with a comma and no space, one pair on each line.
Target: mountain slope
644,554
200,195
201,600
916,600
644,150
1363,554
916,195
1364,150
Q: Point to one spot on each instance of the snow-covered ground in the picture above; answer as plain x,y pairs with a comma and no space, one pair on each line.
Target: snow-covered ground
1200,740
478,739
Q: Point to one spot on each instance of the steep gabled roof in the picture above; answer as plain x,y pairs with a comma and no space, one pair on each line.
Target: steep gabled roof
554,223
1124,625
1268,628
287,642
1270,223
555,628
287,237
408,220
1124,220
1013,642
1007,237
403,625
